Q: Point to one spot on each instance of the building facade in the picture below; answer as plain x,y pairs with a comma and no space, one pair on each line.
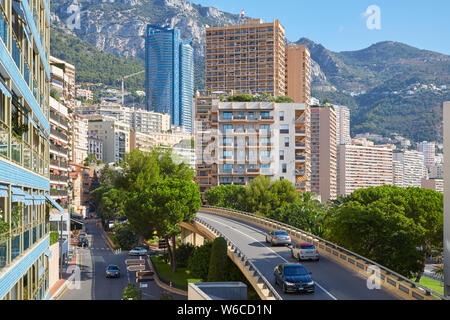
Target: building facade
429,152
169,75
238,141
24,150
409,165
364,165
323,153
298,73
247,58
80,136
342,124
115,136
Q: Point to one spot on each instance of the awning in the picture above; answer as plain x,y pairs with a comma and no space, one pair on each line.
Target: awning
3,191
17,194
54,203
76,221
38,199
28,199
5,90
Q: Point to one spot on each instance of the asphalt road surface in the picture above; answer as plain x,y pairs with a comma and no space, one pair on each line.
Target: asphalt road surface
333,281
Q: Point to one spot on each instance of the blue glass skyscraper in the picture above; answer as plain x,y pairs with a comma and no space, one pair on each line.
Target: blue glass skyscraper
169,75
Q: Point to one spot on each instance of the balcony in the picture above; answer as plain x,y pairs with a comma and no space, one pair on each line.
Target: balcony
300,185
253,171
300,145
58,193
59,150
59,135
299,172
300,157
300,120
300,131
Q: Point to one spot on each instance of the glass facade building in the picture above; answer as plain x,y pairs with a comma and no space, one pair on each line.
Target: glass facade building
169,75
24,149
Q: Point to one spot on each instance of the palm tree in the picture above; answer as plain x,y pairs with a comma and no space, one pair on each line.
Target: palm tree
439,271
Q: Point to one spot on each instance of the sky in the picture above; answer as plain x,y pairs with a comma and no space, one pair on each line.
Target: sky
347,25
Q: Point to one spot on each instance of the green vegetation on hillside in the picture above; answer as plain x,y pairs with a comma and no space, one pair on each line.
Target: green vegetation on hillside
94,66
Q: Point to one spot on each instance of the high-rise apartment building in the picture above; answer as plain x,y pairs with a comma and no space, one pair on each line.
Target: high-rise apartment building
298,73
80,135
409,165
429,152
24,150
115,136
323,152
238,141
342,124
169,75
247,58
364,165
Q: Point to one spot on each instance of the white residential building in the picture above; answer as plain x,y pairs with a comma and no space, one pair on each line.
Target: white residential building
429,152
411,168
342,125
364,165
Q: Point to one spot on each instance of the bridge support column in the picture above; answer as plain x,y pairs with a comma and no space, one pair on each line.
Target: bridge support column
190,237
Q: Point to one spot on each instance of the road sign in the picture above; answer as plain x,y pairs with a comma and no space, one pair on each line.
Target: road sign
136,268
162,244
135,261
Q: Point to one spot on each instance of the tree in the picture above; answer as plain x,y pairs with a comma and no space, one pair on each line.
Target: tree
305,213
284,99
218,262
397,227
226,196
262,195
91,159
161,207
198,262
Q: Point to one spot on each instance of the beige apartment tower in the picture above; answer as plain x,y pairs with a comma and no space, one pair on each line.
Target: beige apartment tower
323,153
298,73
247,58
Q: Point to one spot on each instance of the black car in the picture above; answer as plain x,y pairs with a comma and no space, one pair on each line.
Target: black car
293,277
112,271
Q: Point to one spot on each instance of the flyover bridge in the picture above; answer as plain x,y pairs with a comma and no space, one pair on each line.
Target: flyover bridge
339,275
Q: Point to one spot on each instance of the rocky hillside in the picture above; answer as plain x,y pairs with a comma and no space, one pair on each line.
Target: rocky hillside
118,26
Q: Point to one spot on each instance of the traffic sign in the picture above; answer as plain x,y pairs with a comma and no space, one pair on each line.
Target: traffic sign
136,268
135,261
162,244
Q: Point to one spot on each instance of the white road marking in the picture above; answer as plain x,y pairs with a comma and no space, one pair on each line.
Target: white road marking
264,245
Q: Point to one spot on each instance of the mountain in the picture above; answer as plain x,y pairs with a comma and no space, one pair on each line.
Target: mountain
390,87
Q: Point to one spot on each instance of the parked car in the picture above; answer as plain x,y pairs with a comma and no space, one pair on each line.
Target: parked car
278,237
83,242
138,251
293,277
113,271
305,251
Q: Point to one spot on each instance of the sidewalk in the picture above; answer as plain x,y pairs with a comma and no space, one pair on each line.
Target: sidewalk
61,284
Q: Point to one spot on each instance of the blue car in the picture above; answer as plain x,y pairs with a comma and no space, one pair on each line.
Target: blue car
112,271
293,277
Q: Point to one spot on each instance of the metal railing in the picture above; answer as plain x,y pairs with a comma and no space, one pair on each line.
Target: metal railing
412,284
247,263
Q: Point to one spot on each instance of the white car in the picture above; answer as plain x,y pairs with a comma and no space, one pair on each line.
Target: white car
138,252
305,251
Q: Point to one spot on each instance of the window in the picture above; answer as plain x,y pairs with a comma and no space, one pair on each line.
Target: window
227,168
284,128
281,154
281,115
227,154
284,167
286,142
227,116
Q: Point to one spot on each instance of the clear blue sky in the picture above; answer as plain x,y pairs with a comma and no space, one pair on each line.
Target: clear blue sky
340,25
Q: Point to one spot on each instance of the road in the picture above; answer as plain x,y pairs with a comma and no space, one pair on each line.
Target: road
333,281
93,284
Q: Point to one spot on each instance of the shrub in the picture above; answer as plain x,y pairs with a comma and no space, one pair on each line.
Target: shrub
54,237
131,293
218,262
183,253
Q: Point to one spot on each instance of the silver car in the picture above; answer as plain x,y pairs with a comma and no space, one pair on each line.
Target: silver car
278,237
304,251
138,251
